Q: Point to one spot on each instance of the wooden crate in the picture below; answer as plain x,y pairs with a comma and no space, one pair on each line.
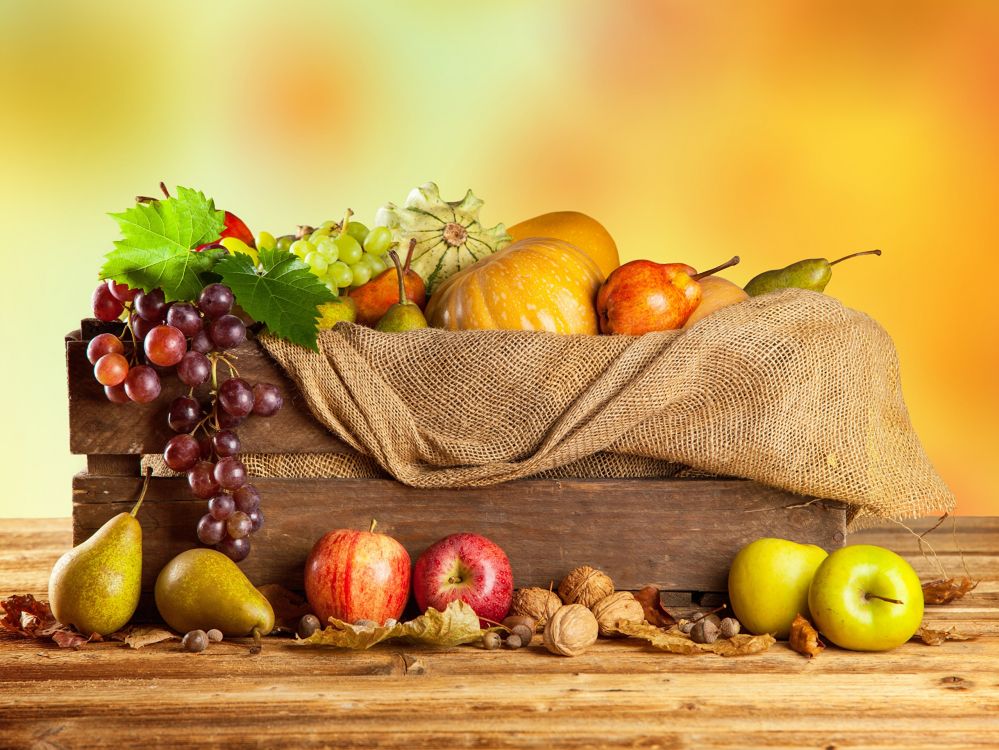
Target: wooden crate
679,534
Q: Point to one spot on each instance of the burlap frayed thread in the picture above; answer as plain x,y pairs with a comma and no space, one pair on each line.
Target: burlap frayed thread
791,389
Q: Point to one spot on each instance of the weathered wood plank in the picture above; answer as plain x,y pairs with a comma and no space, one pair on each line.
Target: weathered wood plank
677,534
98,426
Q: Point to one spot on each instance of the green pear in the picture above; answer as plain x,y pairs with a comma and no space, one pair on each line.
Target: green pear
95,586
403,315
813,274
201,589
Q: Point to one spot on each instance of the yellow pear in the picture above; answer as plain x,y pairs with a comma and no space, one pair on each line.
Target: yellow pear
716,293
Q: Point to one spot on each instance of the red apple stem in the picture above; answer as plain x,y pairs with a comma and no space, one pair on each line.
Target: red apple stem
142,495
870,596
727,264
374,522
855,255
409,256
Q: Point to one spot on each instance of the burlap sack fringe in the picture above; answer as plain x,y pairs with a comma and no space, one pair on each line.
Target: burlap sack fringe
791,389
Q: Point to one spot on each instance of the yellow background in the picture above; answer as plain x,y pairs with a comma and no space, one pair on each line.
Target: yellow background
694,130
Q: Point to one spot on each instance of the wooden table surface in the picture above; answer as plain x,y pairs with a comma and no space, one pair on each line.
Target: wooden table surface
619,694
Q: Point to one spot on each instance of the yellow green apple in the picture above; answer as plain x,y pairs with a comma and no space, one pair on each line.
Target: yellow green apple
866,598
768,583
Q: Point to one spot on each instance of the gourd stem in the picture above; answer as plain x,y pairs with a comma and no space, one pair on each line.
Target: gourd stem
402,279
727,264
854,255
142,495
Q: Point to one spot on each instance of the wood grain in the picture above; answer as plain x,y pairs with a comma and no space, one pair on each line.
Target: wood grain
618,694
678,534
99,427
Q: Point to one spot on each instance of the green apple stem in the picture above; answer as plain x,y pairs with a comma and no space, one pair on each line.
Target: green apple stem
727,264
854,255
142,495
870,596
374,522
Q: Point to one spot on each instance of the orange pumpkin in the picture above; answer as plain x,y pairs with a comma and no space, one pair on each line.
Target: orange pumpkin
537,284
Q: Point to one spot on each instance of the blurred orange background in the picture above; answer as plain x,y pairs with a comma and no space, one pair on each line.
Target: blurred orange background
693,131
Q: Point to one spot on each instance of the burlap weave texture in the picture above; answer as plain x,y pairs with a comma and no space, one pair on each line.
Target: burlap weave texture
791,389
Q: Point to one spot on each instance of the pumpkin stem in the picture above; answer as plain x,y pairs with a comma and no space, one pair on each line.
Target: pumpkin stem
402,282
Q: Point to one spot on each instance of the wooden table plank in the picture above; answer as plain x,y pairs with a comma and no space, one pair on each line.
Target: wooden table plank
619,694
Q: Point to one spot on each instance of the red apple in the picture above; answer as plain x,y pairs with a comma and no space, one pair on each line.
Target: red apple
468,567
234,227
357,575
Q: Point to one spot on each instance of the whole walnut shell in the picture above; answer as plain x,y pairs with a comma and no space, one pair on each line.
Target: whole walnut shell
612,609
585,585
537,603
571,630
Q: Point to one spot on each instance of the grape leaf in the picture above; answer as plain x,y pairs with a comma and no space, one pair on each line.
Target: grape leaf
156,248
454,626
281,293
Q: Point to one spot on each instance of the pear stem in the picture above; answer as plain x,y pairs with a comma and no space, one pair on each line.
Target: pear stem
727,264
870,596
402,279
142,495
374,522
854,255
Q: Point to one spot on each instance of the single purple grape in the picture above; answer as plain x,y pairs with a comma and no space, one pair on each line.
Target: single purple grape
236,397
215,300
235,549
247,498
267,399
211,531
221,507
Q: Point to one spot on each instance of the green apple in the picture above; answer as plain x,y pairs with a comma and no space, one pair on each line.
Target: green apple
768,584
866,598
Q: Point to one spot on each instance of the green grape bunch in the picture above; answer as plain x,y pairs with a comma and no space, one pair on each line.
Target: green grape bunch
343,255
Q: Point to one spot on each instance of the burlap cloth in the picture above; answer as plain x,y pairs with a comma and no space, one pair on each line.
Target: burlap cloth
790,389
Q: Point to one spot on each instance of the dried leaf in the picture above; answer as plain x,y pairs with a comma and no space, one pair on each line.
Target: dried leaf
288,606
26,616
32,618
137,636
936,637
804,638
946,590
455,625
677,643
655,613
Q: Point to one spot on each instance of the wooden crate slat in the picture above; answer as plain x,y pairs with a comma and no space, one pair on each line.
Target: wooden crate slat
678,534
98,426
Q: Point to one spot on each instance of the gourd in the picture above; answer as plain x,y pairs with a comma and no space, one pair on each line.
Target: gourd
537,284
583,231
448,234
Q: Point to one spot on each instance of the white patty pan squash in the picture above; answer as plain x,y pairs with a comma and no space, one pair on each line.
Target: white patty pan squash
448,234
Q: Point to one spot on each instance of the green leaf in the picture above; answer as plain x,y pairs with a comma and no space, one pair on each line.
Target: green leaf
454,626
157,241
283,293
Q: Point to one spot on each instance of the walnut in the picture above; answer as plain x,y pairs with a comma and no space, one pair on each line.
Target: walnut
612,609
586,586
571,630
536,603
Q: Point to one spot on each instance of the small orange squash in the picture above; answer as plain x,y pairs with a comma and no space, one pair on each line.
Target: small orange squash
537,284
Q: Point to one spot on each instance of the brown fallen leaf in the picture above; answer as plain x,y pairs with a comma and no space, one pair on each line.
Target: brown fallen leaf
804,638
454,626
936,637
32,618
946,590
677,643
137,636
655,613
288,606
